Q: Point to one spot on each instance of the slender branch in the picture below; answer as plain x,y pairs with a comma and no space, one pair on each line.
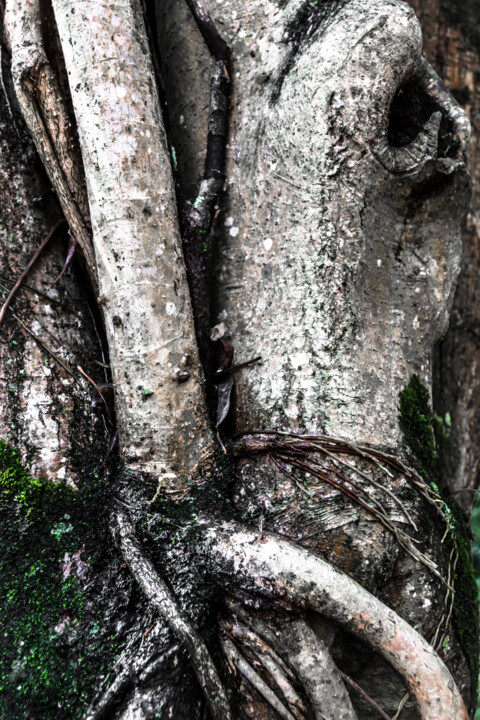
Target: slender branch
29,266
164,602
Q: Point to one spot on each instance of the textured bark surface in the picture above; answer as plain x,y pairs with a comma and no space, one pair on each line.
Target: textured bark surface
452,45
336,252
307,581
143,290
46,114
48,413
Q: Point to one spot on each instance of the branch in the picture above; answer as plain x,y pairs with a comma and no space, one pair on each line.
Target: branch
46,114
278,567
162,599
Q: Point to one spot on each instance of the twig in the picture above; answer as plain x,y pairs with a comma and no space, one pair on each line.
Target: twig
31,263
364,695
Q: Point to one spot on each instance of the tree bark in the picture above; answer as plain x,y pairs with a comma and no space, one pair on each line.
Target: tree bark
333,255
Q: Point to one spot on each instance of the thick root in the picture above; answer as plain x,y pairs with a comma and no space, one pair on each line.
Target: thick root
275,566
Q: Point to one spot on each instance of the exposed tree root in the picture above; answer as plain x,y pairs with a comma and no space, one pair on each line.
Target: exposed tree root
45,112
273,664
308,657
237,661
275,566
162,599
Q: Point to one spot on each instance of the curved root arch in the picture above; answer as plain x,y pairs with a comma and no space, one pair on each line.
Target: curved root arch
273,565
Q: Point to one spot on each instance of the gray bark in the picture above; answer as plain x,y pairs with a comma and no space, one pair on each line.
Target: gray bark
335,257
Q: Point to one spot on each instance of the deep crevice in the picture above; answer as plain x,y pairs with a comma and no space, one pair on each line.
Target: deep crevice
410,110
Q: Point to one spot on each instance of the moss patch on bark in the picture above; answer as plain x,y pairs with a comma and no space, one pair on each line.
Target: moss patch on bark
417,422
56,616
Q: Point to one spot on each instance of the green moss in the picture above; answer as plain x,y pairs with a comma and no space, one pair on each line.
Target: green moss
465,607
418,423
17,484
56,625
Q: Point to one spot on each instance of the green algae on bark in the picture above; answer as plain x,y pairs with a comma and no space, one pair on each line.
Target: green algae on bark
56,616
418,423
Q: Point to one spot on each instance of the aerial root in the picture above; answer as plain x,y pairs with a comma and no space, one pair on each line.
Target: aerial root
294,642
29,266
273,665
111,696
238,662
296,450
274,566
380,712
164,602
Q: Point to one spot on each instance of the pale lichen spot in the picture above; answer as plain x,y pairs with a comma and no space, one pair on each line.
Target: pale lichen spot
229,221
379,262
234,231
170,308
267,244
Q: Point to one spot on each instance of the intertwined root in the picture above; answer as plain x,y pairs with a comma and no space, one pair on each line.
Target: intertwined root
45,111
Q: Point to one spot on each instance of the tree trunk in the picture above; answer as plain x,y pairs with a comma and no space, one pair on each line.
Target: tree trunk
313,563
